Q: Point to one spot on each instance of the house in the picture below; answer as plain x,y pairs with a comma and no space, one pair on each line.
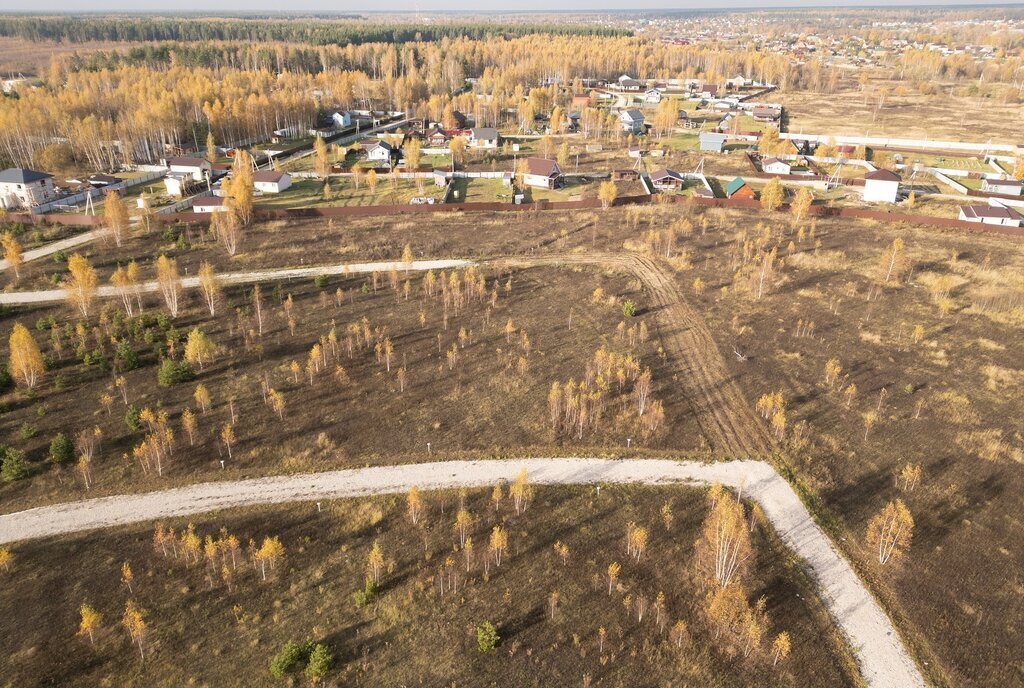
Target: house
710,91
990,215
271,181
580,102
632,121
1011,187
766,113
635,152
20,187
738,188
625,175
775,166
484,137
542,173
437,138
210,204
197,168
667,180
710,141
379,151
737,82
881,186
341,119
653,96
459,120
628,83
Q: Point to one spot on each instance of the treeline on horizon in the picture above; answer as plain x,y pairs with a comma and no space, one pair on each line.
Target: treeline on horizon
148,29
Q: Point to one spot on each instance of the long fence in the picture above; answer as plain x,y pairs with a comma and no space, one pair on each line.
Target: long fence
84,195
539,206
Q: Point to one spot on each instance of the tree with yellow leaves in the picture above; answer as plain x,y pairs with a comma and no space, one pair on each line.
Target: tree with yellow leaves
135,623
12,253
893,262
90,623
202,397
521,492
169,282
240,189
269,553
188,424
607,193
80,284
772,195
321,162
613,575
724,549
6,557
375,562
371,181
780,648
457,148
412,153
26,361
801,204
199,349
210,286
276,400
115,216
890,531
127,577
227,436
414,504
498,544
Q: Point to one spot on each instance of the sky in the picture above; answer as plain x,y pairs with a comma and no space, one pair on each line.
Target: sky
68,6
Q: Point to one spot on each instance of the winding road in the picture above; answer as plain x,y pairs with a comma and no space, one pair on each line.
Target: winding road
883,660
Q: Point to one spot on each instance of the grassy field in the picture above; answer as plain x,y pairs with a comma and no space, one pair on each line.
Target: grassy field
308,193
477,190
420,626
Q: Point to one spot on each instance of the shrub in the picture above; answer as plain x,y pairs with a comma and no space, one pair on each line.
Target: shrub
319,663
62,449
365,596
629,308
486,637
27,431
13,465
173,372
320,281
286,660
125,357
132,420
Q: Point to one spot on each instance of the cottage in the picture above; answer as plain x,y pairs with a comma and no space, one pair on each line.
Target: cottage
379,151
632,121
210,204
484,137
341,119
625,175
1011,187
990,215
653,96
737,82
775,166
25,188
710,141
738,188
197,168
541,173
766,113
628,83
271,181
437,138
710,91
667,180
881,186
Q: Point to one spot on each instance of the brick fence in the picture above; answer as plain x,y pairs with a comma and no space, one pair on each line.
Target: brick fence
587,204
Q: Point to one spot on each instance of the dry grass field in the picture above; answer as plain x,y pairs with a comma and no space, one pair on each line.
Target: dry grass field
420,626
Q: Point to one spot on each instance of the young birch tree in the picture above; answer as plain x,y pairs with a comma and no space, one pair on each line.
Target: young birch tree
80,284
169,282
26,361
210,286
890,531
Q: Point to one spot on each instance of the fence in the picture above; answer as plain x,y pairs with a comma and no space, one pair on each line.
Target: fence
81,197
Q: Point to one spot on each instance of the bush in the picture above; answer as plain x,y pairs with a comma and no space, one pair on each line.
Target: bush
5,377
319,663
62,449
125,357
365,596
629,308
13,465
486,637
132,420
286,660
320,281
173,372
27,431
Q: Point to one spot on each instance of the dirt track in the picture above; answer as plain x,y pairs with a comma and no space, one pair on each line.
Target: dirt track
722,412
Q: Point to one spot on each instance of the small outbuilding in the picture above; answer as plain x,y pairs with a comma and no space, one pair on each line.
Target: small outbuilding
271,181
738,188
712,142
881,186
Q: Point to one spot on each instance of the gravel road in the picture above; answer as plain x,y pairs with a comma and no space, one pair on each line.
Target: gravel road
883,660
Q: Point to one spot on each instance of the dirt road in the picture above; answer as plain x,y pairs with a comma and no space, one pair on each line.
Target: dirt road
883,660
724,415
56,295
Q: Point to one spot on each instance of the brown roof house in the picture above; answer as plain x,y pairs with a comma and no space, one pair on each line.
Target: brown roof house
542,173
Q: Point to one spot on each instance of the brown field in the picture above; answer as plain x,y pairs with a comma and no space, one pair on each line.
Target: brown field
201,632
32,58
909,115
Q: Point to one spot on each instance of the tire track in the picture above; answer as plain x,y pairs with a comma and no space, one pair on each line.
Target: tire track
723,414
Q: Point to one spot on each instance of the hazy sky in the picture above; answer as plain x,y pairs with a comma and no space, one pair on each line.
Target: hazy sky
434,5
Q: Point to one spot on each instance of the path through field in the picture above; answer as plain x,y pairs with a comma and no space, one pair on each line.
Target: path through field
883,660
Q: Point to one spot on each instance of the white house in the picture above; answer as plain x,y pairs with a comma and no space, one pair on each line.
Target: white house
990,215
881,186
210,204
632,121
342,119
542,173
1011,187
653,96
484,137
775,166
736,82
628,83
271,181
25,188
197,168
666,179
379,151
